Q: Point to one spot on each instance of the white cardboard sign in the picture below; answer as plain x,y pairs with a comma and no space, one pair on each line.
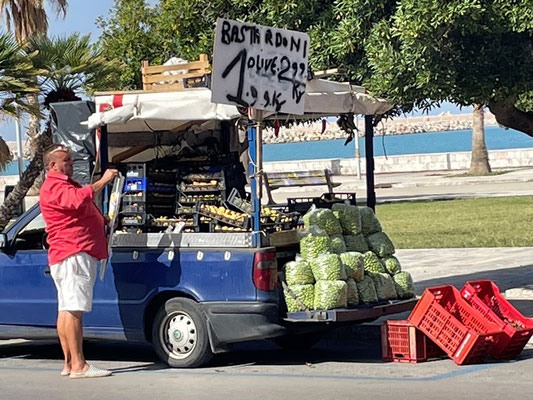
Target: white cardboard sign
260,67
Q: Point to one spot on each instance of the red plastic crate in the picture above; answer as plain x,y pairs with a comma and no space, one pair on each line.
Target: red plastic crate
449,321
485,297
402,342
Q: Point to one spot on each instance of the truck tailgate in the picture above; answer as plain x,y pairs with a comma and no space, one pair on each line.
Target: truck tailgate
353,314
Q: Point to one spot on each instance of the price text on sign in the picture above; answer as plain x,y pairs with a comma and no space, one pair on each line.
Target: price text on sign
260,67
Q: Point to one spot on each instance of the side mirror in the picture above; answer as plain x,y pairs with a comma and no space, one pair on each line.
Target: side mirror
3,241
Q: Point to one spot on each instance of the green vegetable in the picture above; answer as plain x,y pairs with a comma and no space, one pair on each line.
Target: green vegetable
330,294
326,220
310,217
405,286
327,267
313,241
391,264
352,292
384,285
354,265
356,243
337,244
305,293
380,244
349,218
298,273
367,291
372,263
369,222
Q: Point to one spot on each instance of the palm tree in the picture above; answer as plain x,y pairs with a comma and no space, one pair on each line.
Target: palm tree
479,163
28,17
68,66
17,80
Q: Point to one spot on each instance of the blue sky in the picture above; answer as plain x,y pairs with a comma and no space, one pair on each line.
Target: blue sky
81,16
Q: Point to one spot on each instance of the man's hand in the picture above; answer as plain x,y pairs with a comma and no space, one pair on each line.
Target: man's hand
107,177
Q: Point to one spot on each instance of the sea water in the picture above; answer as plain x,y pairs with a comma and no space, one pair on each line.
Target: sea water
496,138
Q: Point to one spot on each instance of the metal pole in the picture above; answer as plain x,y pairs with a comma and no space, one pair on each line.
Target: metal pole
259,153
104,161
19,144
252,169
357,155
369,156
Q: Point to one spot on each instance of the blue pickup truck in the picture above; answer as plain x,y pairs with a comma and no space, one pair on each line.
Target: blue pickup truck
187,296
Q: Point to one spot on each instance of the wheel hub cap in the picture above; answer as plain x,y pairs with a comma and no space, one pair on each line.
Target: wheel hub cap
180,335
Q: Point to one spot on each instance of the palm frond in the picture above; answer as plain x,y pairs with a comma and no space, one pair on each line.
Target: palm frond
69,63
5,154
17,76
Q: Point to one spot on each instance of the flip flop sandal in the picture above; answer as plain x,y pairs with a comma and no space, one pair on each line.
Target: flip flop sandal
92,372
63,373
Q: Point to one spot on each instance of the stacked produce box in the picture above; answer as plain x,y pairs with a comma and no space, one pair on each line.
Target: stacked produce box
345,260
148,198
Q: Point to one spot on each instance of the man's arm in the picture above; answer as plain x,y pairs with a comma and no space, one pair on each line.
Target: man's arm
108,176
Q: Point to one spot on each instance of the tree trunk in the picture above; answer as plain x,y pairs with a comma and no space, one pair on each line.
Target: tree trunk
32,172
479,164
512,117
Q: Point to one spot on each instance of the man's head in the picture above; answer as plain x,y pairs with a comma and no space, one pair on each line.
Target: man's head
57,158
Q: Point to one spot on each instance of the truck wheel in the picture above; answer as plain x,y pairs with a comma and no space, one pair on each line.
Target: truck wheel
180,335
298,342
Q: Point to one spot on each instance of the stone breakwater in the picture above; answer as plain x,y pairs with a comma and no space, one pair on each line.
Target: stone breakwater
396,126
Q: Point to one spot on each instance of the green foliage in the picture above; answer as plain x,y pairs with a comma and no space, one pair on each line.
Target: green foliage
71,64
17,76
414,53
130,35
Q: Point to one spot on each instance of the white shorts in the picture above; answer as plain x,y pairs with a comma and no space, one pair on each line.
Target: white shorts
74,279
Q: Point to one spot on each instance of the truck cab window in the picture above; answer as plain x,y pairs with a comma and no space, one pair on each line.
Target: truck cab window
31,237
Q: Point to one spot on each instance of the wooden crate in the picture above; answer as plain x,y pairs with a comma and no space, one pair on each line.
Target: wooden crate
154,80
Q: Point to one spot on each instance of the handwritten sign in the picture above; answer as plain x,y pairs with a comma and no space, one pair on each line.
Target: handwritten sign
260,67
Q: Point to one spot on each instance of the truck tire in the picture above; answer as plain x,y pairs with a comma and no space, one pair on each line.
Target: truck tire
180,336
298,342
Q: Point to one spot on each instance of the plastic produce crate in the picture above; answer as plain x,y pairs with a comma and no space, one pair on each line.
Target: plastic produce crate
457,328
402,342
136,170
134,184
485,297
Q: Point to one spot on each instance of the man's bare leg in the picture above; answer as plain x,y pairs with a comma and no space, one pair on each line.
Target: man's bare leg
61,319
74,334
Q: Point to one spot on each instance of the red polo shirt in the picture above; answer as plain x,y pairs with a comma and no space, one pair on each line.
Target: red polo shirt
73,222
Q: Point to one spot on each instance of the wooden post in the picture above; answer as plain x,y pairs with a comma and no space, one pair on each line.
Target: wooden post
144,66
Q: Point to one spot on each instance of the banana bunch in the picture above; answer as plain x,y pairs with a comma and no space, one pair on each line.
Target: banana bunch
204,183
224,212
229,229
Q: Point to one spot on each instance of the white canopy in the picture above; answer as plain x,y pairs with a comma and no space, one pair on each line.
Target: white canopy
139,111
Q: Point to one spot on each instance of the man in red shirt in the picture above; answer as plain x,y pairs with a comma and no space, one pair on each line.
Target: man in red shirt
76,235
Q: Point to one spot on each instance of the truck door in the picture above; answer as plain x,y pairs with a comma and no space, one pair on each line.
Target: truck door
27,291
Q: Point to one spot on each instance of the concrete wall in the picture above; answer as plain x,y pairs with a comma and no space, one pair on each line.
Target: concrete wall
408,163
